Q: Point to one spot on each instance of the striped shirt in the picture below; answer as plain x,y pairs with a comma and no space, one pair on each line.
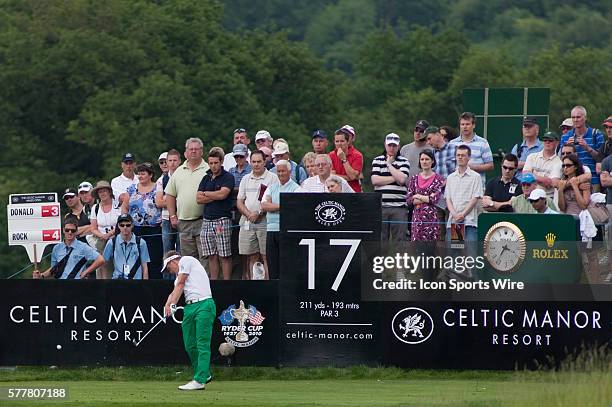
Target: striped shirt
481,152
445,160
595,140
393,195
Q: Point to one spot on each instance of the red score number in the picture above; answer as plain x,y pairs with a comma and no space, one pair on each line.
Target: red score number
50,211
50,235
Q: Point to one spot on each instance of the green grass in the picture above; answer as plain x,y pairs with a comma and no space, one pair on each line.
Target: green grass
356,386
584,379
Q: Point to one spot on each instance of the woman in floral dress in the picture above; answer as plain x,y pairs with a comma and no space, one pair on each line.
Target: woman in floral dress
144,203
424,192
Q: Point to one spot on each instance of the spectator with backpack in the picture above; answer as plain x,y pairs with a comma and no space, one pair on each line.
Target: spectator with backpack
281,152
128,252
69,258
531,143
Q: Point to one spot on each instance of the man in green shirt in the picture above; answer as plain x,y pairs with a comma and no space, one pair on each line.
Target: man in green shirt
181,193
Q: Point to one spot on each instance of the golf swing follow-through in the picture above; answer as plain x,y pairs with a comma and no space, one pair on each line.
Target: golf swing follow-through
199,313
172,311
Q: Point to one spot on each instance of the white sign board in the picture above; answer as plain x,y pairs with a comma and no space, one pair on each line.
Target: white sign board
34,221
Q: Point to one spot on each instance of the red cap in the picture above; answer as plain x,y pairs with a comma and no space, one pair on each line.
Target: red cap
608,121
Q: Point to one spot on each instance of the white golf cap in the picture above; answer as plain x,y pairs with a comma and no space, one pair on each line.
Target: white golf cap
168,260
262,135
85,186
280,148
392,138
537,194
163,156
567,123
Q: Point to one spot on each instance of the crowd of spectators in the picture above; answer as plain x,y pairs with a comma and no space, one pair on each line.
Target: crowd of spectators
223,208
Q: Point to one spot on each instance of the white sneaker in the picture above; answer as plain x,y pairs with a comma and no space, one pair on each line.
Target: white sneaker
192,385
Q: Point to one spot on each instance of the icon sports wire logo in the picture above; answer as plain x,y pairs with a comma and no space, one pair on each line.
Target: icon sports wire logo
412,325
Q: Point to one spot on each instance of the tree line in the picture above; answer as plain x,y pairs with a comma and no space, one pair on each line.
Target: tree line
83,81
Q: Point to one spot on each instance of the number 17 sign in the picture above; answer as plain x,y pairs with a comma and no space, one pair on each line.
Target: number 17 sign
34,221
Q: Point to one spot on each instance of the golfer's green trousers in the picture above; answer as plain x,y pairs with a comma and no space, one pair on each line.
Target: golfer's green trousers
197,328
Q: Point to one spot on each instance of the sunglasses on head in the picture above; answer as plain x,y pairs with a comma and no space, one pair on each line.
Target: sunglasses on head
69,230
125,225
239,130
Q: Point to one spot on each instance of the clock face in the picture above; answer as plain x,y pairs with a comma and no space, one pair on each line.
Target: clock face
504,247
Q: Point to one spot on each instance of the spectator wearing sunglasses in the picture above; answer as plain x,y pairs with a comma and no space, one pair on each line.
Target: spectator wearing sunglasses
87,199
412,151
521,203
531,143
500,190
77,210
70,258
128,252
241,137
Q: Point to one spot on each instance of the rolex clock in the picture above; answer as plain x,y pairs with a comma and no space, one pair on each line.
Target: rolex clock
504,247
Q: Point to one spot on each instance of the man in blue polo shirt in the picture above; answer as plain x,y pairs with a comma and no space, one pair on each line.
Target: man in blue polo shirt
128,252
587,140
481,159
69,258
214,191
531,143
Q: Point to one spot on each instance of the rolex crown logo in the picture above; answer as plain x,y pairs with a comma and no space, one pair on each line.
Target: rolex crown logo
550,239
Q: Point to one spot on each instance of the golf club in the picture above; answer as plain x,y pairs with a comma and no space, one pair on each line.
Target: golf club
172,311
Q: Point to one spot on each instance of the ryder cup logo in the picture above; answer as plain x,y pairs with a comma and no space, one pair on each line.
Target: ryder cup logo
329,213
241,326
412,325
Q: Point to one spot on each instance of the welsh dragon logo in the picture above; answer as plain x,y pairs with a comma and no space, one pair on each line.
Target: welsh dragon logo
412,325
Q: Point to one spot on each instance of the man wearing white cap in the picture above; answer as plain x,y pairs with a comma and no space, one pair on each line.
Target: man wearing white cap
85,196
566,126
390,171
263,139
199,313
538,200
297,172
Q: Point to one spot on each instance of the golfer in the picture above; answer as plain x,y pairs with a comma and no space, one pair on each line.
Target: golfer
199,313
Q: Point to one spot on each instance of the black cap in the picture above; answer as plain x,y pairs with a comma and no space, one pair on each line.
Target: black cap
128,157
530,120
319,134
69,192
125,217
550,135
421,124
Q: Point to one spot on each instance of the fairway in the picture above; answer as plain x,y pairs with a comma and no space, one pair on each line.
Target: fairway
379,388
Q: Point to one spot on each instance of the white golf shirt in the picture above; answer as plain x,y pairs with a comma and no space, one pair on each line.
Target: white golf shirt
197,285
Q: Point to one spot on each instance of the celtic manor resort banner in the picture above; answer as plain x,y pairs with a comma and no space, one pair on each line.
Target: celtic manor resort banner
343,298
